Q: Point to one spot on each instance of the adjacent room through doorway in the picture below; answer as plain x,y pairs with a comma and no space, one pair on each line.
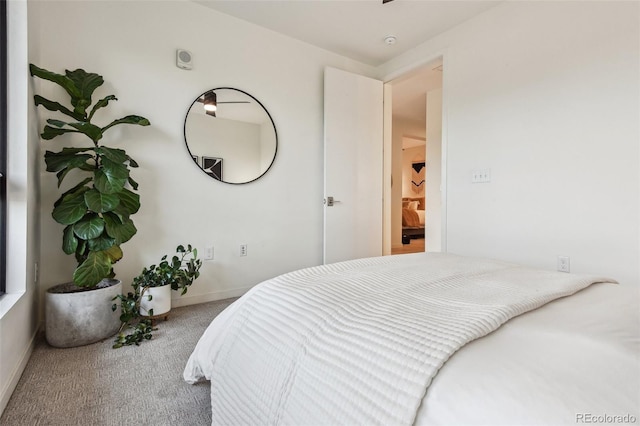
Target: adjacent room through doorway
416,164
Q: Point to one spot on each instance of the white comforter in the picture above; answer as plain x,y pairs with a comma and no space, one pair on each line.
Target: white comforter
359,343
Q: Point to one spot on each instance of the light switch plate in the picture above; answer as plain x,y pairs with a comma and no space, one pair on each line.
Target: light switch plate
481,176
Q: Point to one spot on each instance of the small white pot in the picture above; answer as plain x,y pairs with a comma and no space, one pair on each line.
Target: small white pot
156,298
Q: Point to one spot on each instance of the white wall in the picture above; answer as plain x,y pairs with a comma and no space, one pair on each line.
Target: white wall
132,44
433,193
18,308
412,155
545,94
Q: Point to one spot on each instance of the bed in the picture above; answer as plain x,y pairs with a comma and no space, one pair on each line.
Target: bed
413,218
424,338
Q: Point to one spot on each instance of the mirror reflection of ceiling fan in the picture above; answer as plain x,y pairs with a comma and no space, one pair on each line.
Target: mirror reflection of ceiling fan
210,101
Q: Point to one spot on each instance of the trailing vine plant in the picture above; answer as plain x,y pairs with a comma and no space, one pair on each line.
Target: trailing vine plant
140,327
179,273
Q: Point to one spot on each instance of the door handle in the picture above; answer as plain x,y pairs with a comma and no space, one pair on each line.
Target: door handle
329,201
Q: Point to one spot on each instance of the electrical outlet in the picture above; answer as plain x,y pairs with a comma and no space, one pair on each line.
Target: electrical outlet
208,253
243,249
563,263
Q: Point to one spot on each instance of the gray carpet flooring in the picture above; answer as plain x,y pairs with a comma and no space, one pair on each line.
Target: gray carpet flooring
134,385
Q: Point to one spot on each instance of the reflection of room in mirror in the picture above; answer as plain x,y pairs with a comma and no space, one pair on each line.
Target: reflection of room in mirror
241,133
213,167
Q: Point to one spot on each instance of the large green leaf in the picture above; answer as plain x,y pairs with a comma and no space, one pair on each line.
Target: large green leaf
81,251
77,165
57,123
55,106
63,81
133,183
103,242
63,163
76,150
79,188
90,226
113,154
114,253
49,132
122,231
129,203
101,104
96,267
70,210
112,168
92,131
99,202
126,232
107,183
129,119
86,83
111,218
69,240
57,161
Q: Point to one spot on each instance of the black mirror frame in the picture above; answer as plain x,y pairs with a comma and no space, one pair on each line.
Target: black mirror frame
275,131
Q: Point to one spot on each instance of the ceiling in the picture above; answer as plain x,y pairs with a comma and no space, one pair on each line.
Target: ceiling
409,93
234,105
355,28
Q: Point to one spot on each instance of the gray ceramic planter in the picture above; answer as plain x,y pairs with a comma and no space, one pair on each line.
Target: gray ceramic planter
81,318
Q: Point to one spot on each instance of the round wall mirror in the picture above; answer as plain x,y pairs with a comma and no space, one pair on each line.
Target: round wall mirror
230,135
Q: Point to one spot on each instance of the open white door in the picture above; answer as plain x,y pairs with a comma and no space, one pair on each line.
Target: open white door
353,151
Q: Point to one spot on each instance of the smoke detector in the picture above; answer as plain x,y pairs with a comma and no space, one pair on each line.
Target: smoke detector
390,39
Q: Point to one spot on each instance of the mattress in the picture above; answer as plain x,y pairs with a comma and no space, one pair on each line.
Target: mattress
575,356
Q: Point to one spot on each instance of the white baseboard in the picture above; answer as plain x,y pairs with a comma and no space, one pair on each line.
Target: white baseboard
207,297
17,373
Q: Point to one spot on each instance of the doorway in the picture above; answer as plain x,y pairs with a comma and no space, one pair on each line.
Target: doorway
415,147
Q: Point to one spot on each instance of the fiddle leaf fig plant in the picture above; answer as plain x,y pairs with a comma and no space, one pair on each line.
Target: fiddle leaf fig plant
96,212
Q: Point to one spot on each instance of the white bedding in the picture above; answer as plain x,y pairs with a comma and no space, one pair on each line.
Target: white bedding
420,216
263,354
576,355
